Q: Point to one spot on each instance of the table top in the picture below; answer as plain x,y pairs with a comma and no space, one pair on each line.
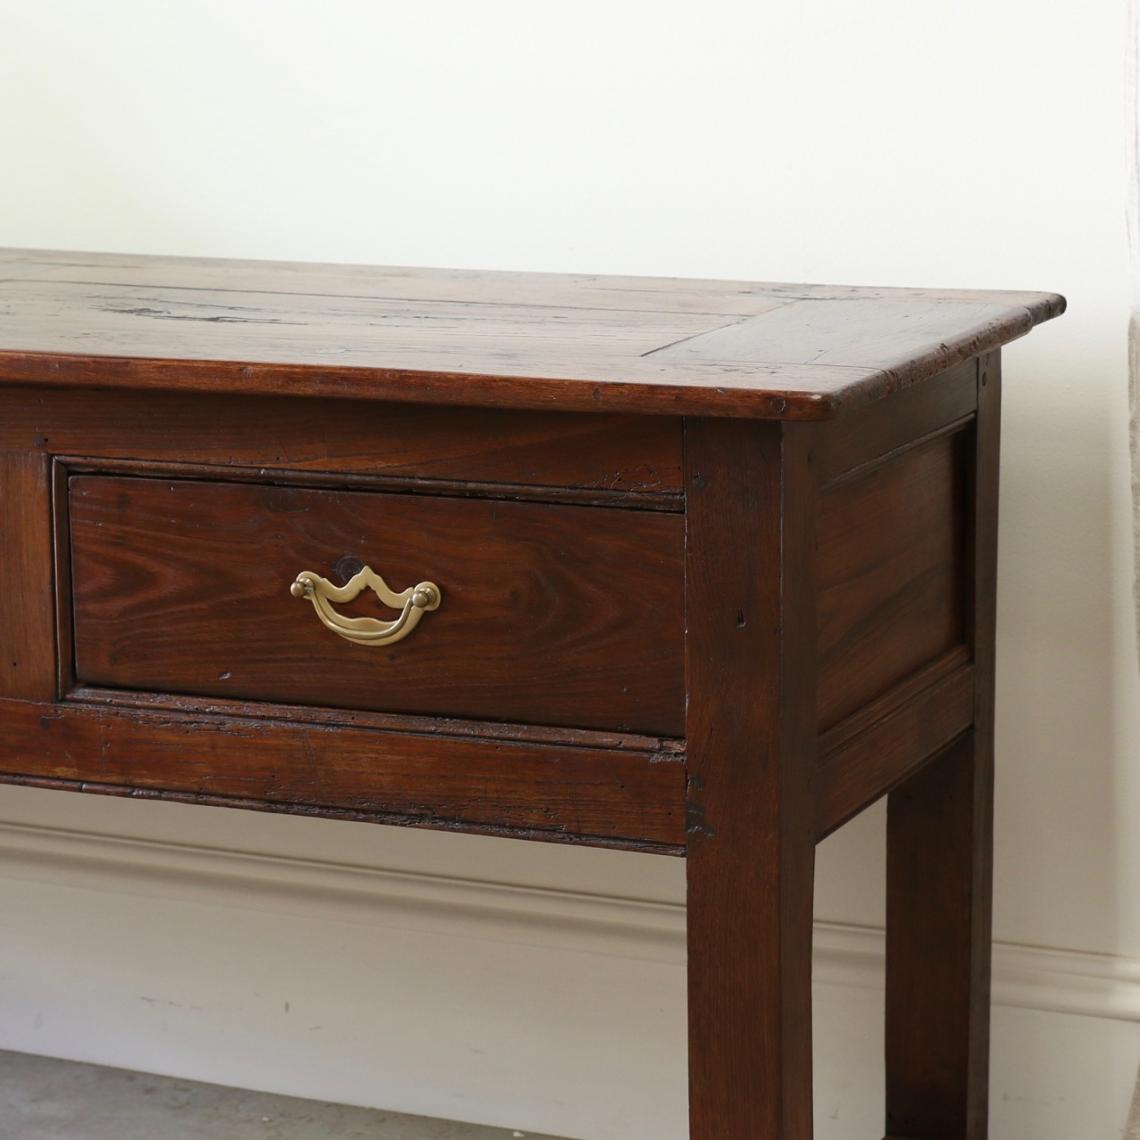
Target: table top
509,340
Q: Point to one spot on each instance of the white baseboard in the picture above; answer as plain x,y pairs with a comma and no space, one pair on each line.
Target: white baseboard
1028,977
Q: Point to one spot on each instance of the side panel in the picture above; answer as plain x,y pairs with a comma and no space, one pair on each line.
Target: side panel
892,552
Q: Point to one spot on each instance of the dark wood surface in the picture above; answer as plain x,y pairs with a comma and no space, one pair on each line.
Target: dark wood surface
940,869
869,436
27,610
625,459
442,728
670,624
650,345
751,735
551,614
876,749
891,575
628,797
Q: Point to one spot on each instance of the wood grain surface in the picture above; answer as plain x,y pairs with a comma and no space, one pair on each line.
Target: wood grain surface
618,797
940,867
941,405
891,577
658,346
551,614
888,740
610,456
27,607
751,742
666,626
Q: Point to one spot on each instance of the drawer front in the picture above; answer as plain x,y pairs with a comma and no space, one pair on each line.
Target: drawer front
549,614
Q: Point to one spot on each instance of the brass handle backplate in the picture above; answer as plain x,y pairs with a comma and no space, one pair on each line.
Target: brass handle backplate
412,603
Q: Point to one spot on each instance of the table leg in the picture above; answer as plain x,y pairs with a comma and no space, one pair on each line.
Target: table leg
940,869
938,948
751,737
750,1047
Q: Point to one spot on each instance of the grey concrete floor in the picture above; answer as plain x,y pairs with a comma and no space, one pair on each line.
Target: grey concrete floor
45,1099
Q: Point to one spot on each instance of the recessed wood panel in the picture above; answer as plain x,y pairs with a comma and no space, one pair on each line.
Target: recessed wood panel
891,574
551,614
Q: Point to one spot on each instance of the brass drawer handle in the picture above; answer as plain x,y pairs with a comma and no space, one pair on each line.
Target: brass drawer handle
412,604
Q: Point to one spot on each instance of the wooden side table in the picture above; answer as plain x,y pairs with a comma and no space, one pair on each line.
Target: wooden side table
693,567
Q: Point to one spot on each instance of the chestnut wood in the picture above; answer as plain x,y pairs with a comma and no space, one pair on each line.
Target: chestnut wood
892,543
579,290
718,563
751,748
27,611
870,435
629,797
501,340
877,748
435,726
551,614
940,871
631,459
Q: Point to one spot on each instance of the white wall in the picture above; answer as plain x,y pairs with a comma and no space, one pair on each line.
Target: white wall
888,142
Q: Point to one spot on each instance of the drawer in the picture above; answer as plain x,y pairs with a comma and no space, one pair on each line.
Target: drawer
549,614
